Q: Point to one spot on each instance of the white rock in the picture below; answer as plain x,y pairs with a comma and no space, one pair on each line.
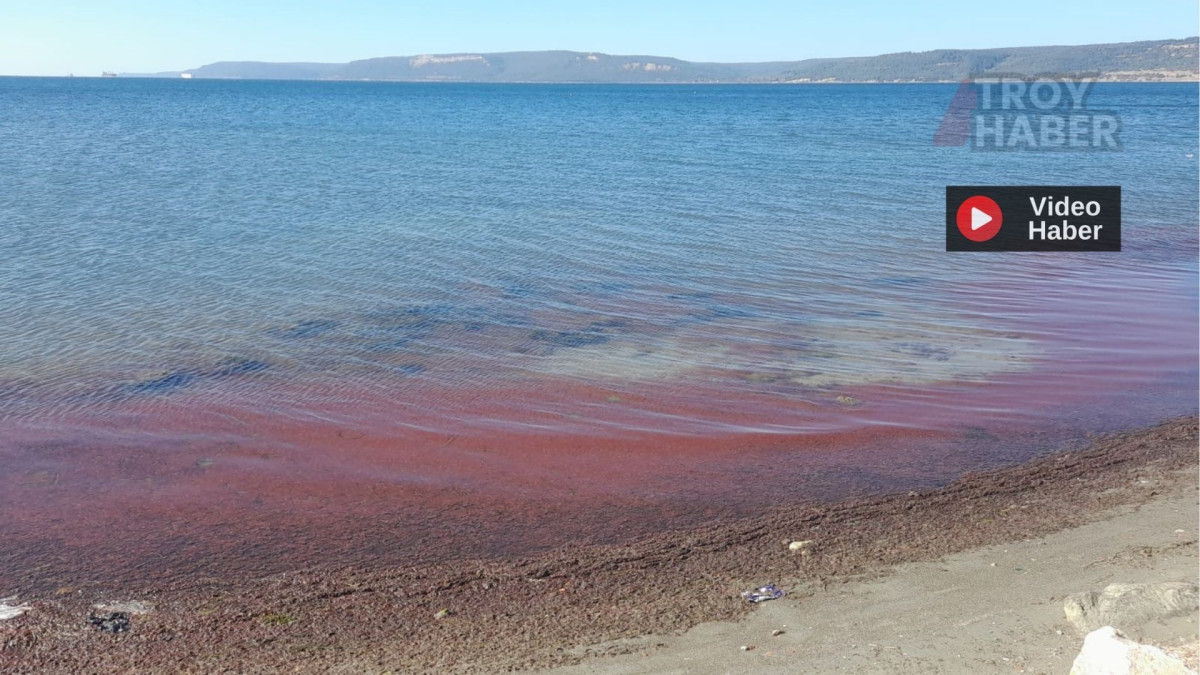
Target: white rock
1107,652
806,547
12,611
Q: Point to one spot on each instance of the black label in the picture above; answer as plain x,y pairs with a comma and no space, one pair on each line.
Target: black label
1033,218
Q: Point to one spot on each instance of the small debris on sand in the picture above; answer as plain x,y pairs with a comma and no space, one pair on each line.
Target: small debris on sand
115,622
805,548
763,593
8,611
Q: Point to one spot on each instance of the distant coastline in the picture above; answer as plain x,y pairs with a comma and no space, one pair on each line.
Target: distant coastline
1148,78
1148,61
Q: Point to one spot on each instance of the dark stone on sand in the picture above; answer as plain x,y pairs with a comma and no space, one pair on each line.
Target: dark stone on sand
114,622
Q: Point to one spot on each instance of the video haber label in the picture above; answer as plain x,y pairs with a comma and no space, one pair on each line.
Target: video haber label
1033,218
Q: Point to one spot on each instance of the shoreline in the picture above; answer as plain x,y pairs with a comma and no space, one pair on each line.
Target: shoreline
542,611
999,608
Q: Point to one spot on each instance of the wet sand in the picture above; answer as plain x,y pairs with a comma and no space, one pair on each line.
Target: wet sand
492,614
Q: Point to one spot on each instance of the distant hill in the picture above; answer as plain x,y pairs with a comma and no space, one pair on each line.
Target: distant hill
258,70
1152,60
555,66
1159,59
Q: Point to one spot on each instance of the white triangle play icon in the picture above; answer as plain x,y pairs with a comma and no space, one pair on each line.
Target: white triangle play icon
979,218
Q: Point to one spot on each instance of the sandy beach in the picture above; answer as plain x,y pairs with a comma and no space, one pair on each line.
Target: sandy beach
995,609
895,582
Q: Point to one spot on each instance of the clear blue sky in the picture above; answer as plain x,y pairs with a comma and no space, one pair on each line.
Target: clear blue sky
56,37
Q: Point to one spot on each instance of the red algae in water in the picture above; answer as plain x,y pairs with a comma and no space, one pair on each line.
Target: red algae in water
415,469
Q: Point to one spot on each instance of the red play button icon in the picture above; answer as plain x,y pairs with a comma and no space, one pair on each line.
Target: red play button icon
979,218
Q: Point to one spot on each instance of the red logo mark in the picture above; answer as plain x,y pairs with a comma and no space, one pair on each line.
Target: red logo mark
979,218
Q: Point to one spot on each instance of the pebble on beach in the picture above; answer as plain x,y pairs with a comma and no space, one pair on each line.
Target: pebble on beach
806,547
12,611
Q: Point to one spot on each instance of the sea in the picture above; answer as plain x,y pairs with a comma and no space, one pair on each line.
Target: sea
249,326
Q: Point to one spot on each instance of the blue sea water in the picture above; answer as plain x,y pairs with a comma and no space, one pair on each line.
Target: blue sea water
247,326
157,236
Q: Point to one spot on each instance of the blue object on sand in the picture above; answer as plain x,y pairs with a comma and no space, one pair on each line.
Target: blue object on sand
763,593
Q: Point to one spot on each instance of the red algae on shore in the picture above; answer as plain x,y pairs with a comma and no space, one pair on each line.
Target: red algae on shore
528,611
